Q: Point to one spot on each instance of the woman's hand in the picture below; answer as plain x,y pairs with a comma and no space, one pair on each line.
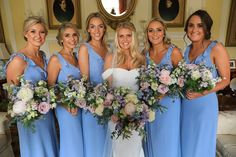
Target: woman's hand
193,95
73,111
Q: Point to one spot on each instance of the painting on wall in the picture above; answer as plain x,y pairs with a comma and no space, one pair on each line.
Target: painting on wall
169,11
231,31
60,11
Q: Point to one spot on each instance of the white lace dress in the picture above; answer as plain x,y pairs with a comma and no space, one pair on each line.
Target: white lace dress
120,147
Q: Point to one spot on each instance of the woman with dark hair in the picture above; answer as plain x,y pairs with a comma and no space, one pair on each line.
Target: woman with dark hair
200,110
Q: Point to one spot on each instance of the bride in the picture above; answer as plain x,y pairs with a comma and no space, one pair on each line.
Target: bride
121,69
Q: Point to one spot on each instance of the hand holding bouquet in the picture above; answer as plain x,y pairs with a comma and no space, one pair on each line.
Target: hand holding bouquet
28,101
72,93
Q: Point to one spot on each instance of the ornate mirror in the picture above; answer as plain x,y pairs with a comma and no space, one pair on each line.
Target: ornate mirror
116,11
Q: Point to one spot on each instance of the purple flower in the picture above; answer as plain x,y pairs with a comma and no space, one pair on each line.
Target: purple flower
163,89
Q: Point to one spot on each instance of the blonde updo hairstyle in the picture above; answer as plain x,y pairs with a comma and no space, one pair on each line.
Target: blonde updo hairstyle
137,58
31,21
62,29
147,43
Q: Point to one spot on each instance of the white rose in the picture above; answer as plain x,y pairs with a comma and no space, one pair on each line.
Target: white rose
25,94
195,75
19,107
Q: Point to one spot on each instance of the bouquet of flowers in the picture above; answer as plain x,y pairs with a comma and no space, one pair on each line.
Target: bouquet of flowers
121,106
197,78
99,98
154,82
28,102
72,93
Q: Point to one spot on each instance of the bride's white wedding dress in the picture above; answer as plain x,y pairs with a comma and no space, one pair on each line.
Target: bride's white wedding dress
131,147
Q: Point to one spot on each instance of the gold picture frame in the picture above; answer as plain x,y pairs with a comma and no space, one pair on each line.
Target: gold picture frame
169,11
231,31
60,11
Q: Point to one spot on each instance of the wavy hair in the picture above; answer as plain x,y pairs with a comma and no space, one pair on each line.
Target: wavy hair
137,58
147,43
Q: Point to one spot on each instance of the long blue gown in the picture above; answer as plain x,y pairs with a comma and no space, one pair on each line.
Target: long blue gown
71,138
42,142
163,135
93,133
199,116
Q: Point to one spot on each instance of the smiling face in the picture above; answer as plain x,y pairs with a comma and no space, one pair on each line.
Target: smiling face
195,30
124,36
155,32
96,28
35,35
69,38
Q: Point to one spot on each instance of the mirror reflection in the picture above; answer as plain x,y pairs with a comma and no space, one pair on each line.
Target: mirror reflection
116,7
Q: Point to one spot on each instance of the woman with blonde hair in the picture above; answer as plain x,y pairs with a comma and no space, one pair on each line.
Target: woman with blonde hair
121,69
163,135
31,62
62,65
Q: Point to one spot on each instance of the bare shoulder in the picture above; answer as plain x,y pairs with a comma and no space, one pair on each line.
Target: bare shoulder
176,51
109,57
54,59
219,48
83,48
18,61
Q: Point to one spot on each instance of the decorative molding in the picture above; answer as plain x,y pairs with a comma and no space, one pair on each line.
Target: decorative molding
10,25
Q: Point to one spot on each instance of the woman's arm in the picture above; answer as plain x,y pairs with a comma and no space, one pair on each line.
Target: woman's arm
15,69
220,58
107,65
176,57
53,70
83,60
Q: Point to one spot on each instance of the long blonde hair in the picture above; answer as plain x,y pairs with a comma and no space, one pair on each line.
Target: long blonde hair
147,43
137,58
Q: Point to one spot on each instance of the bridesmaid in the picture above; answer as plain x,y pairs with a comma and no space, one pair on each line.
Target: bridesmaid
60,66
31,62
200,110
163,135
91,60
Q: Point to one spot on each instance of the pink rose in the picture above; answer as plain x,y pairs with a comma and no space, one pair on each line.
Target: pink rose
180,82
43,107
108,100
114,118
129,108
163,89
165,77
144,85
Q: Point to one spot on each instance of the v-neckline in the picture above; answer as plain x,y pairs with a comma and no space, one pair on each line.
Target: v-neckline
95,52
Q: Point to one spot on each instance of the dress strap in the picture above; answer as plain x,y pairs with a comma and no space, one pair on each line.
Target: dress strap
16,54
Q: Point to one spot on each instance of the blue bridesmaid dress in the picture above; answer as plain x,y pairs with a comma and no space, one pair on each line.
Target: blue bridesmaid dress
71,137
163,135
199,116
94,134
42,142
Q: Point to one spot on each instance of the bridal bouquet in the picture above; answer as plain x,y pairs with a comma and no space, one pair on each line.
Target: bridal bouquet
155,82
72,93
197,78
128,113
121,106
28,102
